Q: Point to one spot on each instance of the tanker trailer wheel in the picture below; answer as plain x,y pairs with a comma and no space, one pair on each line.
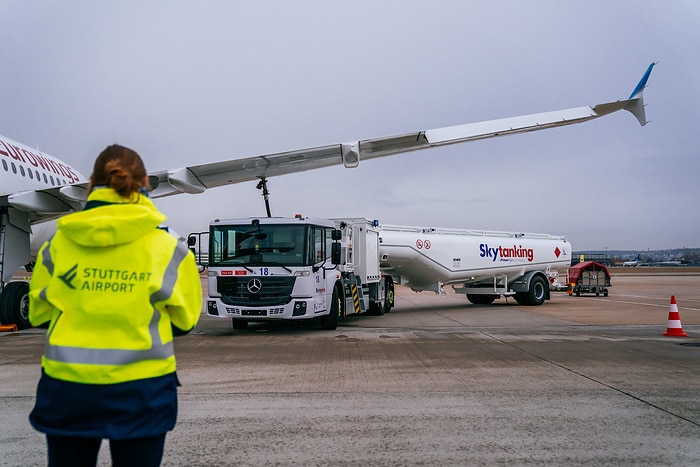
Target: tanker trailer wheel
536,295
479,299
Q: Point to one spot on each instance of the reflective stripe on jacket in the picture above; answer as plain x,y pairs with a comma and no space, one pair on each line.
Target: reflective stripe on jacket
112,284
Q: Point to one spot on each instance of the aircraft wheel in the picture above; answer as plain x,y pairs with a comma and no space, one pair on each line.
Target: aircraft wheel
14,304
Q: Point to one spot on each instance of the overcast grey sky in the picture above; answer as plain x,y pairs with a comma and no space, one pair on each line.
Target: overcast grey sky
194,82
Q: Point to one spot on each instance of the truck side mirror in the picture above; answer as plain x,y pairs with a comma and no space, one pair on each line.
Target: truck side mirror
336,235
335,253
191,240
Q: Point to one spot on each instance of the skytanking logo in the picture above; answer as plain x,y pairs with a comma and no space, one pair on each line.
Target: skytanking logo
506,253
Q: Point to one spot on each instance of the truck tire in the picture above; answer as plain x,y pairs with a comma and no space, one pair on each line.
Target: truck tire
479,299
14,304
536,294
239,323
377,308
330,321
389,298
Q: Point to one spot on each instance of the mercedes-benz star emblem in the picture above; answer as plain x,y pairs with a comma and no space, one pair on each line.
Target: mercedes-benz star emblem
254,285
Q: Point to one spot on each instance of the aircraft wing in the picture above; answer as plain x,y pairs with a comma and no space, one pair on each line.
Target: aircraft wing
50,202
198,178
46,203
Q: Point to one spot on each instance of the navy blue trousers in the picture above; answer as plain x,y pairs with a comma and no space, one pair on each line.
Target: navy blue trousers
70,451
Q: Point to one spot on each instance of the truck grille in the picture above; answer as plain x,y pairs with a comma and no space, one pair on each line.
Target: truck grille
274,290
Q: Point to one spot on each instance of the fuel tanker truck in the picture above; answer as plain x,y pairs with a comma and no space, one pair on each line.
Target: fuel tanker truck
262,269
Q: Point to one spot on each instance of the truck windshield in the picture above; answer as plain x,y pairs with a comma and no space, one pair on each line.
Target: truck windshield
256,245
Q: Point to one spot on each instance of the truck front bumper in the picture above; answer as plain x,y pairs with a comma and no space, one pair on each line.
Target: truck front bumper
298,308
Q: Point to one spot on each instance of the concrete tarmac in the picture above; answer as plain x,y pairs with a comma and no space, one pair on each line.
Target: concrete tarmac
438,381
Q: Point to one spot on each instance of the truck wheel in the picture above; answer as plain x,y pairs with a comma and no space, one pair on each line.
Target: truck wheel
14,304
381,309
330,321
376,308
239,323
389,299
479,299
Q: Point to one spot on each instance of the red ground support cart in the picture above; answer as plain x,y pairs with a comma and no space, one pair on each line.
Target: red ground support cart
588,277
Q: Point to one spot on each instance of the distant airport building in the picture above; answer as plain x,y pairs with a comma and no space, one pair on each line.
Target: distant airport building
581,256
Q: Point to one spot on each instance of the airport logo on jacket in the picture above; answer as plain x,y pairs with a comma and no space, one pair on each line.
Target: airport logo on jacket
104,279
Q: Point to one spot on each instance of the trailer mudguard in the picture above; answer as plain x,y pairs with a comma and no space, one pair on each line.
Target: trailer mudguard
522,284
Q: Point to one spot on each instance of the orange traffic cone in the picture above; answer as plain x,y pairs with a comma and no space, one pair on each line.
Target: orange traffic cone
674,327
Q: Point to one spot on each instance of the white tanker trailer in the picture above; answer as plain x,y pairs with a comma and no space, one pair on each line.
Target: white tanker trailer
482,265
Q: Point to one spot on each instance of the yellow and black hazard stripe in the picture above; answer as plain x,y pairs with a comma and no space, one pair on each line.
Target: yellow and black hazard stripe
355,298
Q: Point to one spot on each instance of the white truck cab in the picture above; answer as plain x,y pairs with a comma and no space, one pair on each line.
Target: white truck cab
262,269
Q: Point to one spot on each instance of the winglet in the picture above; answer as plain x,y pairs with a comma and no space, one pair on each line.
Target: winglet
637,93
636,104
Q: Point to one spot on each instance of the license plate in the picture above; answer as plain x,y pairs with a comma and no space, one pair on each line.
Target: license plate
253,312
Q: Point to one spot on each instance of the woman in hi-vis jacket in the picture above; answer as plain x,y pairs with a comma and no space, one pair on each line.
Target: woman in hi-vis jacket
114,289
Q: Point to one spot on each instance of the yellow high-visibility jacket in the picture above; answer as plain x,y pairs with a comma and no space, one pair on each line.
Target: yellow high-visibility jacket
112,285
